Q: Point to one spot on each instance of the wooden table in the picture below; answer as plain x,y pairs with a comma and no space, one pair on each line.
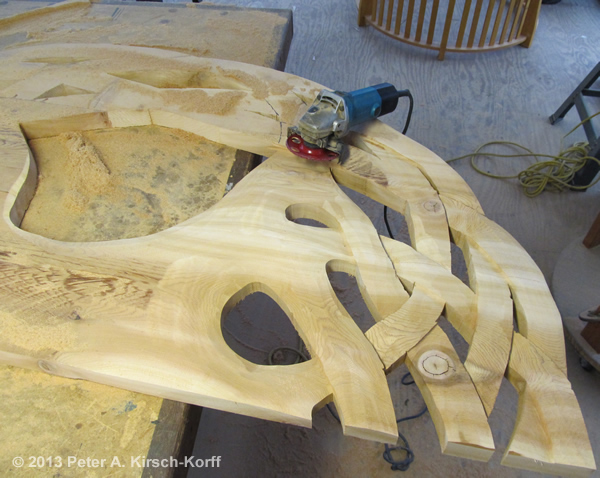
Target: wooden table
48,420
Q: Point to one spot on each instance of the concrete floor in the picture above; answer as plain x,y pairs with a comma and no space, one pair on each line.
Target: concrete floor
460,103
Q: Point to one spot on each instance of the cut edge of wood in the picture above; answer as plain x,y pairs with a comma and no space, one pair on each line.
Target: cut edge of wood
514,460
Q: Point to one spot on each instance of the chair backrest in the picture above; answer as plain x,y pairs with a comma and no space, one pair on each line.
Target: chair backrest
456,26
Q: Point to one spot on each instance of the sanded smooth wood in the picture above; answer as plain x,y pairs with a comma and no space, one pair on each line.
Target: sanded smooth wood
546,425
145,313
458,414
484,318
492,340
402,187
536,314
415,269
401,331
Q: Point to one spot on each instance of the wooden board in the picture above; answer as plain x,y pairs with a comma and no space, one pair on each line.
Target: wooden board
178,27
186,28
149,309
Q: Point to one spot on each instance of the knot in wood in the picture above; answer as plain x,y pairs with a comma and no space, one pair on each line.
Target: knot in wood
436,365
432,206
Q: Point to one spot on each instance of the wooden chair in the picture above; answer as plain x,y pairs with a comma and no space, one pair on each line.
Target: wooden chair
463,26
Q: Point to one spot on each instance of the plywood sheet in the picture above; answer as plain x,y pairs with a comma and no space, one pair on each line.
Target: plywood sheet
175,27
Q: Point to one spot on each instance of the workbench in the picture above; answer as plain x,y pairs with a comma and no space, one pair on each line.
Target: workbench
47,420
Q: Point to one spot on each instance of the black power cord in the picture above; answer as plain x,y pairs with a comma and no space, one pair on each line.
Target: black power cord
407,94
397,465
404,464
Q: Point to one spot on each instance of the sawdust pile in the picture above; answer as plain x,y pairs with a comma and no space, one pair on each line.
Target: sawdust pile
45,412
260,88
290,112
123,182
89,175
199,101
35,335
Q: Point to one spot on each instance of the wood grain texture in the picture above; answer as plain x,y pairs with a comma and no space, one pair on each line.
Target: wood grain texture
189,29
149,309
452,401
175,27
415,269
460,103
547,423
401,331
377,173
492,340
536,313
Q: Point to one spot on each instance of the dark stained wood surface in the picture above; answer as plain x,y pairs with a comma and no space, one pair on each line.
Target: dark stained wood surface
174,436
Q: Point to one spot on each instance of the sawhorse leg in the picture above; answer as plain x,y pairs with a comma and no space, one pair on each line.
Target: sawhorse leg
585,175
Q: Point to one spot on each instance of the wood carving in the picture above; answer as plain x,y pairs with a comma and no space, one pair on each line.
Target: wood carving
148,310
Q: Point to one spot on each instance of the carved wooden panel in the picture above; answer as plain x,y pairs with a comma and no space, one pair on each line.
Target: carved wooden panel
144,313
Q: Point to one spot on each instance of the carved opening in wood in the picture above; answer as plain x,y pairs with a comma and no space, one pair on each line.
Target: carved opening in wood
310,215
95,182
257,329
151,308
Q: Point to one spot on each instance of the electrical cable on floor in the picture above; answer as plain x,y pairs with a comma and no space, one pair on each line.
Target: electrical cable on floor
404,464
397,465
241,342
411,101
300,355
555,173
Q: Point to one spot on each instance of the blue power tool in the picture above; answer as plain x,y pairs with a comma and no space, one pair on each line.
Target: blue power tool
332,115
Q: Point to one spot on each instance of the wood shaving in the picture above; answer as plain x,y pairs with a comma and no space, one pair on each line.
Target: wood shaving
123,182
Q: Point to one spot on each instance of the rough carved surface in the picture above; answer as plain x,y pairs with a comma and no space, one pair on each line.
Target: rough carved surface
145,313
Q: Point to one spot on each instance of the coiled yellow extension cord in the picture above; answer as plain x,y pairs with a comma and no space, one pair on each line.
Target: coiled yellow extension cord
554,173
